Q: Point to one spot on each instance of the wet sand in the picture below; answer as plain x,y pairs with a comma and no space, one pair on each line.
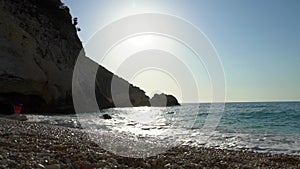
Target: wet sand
33,145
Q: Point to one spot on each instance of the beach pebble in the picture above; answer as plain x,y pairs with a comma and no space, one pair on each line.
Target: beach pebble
99,165
40,166
168,165
54,166
11,163
68,160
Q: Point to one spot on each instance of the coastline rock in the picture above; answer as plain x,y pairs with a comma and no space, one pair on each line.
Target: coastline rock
123,94
39,47
161,100
94,81
106,116
18,117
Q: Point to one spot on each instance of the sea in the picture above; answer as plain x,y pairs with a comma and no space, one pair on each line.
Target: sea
271,127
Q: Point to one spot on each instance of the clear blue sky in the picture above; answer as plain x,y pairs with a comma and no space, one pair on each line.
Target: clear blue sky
258,41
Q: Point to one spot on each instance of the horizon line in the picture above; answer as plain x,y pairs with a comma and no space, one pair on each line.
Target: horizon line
269,101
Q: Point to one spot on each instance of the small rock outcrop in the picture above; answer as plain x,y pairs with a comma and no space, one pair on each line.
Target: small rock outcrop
106,116
159,100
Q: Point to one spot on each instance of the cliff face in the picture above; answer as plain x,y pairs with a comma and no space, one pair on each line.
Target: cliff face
127,96
38,50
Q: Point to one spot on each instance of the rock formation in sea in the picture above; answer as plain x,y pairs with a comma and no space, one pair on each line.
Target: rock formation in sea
159,100
39,47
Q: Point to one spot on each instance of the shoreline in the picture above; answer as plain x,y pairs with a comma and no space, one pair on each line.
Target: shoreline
36,145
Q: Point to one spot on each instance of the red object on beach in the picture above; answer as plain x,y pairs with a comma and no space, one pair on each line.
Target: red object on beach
18,108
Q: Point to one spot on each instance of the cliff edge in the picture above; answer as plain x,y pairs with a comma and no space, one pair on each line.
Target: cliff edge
38,49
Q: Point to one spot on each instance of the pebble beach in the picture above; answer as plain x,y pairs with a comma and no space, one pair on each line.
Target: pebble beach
35,145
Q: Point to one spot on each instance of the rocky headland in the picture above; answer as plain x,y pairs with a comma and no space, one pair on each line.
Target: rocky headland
39,47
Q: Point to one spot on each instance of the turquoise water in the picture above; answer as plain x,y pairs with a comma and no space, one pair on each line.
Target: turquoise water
263,127
273,118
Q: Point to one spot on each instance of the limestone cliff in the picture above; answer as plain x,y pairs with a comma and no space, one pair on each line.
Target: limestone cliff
129,95
38,50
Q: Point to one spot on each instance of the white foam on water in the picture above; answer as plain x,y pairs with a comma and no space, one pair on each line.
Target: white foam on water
157,125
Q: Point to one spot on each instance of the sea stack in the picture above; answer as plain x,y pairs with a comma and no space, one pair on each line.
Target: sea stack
160,100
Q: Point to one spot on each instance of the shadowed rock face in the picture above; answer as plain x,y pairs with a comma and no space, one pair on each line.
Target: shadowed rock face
160,100
127,95
39,47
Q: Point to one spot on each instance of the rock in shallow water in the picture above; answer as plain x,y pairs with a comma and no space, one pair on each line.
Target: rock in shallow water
18,117
106,116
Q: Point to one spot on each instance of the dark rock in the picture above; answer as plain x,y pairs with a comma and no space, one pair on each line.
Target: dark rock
18,117
160,100
106,116
145,128
125,95
39,48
